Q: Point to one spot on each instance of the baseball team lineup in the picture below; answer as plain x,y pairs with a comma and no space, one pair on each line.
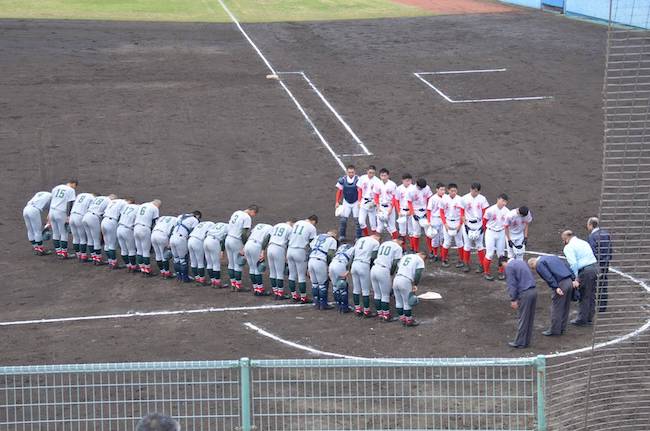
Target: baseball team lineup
384,259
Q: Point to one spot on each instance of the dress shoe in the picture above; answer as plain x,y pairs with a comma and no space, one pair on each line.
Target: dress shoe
515,345
578,322
548,333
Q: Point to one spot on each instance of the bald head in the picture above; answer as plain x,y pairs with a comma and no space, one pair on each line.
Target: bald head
157,202
532,263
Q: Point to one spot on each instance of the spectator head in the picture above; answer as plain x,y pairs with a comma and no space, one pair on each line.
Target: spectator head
157,422
532,263
523,211
566,236
592,223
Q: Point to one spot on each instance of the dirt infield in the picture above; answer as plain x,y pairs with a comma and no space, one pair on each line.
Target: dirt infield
458,6
184,112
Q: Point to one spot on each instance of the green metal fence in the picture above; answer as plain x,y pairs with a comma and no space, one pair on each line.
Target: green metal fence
336,394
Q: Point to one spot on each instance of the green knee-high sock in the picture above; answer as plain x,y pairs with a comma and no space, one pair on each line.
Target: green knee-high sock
83,247
302,287
274,283
378,304
161,265
138,259
39,242
57,243
238,275
280,284
385,306
292,285
146,260
231,274
216,274
166,265
201,272
64,245
407,313
259,279
356,298
400,311
210,273
125,258
195,270
75,247
366,301
133,260
252,278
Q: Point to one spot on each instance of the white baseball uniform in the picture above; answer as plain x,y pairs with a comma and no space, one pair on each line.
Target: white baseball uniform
495,237
195,244
79,209
301,235
404,195
368,210
110,221
364,249
349,208
387,253
160,235
260,234
451,211
125,231
61,195
144,220
213,246
385,191
420,199
239,221
516,225
474,208
276,253
32,215
405,278
433,207
92,222
180,235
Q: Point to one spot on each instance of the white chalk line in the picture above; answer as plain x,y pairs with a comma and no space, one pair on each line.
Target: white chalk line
293,98
131,314
450,100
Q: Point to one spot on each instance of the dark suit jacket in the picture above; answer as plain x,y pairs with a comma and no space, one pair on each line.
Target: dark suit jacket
601,245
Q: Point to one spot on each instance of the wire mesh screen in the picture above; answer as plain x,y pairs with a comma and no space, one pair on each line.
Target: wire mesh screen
372,395
608,387
201,396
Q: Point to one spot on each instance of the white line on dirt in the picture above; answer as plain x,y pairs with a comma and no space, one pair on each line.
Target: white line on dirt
450,100
149,314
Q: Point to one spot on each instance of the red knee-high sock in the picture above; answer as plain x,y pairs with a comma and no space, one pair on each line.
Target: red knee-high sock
395,235
461,254
435,250
486,265
429,246
415,243
444,253
481,256
501,268
468,256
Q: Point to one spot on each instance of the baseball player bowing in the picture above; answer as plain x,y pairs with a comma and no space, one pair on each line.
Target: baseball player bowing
385,201
388,256
303,232
276,255
322,248
338,272
433,214
347,196
79,240
419,198
160,242
516,229
239,226
409,272
404,207
109,228
196,250
452,215
474,204
63,197
145,219
125,236
32,213
178,243
495,238
365,251
92,222
213,246
254,252
367,207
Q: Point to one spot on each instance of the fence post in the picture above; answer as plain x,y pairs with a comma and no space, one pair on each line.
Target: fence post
540,363
245,393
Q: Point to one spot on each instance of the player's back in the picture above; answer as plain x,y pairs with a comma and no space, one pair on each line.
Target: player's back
388,252
201,230
61,195
146,214
322,245
259,232
218,231
344,254
81,203
114,208
280,234
40,200
239,221
98,205
302,234
364,248
408,266
127,216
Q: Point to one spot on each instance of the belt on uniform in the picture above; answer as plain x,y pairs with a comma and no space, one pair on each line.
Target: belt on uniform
254,240
495,230
385,205
212,236
96,215
360,261
472,221
141,224
111,218
383,266
420,209
74,212
233,236
319,258
405,209
452,219
125,226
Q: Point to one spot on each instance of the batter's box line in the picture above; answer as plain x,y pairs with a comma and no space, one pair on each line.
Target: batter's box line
331,108
461,72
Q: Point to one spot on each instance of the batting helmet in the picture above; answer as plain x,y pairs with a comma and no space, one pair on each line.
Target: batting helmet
261,266
167,254
341,284
241,260
47,233
413,299
430,231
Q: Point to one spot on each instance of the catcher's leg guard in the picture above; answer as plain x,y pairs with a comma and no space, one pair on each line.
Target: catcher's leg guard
344,305
358,229
322,296
343,227
315,293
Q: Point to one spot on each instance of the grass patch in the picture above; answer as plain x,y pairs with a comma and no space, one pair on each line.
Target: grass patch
206,10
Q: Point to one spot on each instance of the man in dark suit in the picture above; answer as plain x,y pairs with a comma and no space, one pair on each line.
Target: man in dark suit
601,244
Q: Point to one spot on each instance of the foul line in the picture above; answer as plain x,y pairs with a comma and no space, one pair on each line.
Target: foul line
450,100
148,314
293,98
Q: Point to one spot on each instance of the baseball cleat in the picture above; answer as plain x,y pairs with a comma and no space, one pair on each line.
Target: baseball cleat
410,321
460,265
466,268
479,269
488,277
295,296
501,276
199,280
445,263
305,300
369,314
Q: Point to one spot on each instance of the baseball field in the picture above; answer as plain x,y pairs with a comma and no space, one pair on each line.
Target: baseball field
171,100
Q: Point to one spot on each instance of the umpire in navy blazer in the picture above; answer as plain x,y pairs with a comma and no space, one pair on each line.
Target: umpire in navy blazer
601,244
